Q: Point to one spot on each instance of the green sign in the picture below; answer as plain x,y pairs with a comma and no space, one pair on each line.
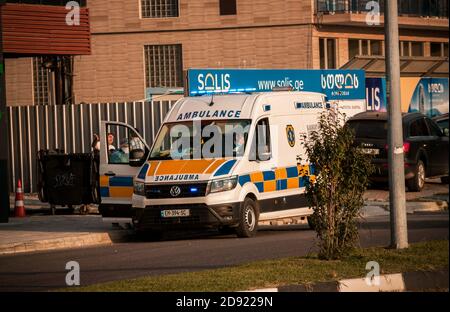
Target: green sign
1,69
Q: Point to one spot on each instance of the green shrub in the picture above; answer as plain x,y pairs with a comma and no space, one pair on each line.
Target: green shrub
336,195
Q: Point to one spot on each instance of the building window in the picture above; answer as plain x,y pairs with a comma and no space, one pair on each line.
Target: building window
439,49
327,48
364,47
411,48
436,49
353,48
163,66
227,7
159,8
417,49
41,82
376,47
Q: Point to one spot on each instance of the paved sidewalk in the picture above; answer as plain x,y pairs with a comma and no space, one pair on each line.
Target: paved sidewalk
433,190
38,233
434,197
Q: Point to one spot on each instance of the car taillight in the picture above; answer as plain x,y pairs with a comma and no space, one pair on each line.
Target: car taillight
406,146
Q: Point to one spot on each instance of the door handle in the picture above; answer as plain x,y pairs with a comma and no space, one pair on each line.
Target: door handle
110,174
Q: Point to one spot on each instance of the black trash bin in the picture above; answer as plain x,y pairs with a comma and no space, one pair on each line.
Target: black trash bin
67,179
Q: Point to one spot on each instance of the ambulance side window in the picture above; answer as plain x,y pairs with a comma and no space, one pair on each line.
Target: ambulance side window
261,149
124,146
117,143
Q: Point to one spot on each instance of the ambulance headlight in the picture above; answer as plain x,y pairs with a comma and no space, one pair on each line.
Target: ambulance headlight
221,185
139,188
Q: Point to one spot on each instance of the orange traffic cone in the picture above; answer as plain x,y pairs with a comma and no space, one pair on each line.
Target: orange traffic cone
19,208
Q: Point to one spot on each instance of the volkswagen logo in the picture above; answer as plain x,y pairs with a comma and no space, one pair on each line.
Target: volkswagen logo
175,191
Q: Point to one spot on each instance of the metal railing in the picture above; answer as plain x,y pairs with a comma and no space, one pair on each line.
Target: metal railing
414,8
70,128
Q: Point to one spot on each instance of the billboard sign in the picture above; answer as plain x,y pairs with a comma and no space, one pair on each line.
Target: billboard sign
426,95
376,94
335,84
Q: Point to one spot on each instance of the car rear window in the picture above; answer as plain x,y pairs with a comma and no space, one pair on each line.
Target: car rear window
443,124
418,128
373,129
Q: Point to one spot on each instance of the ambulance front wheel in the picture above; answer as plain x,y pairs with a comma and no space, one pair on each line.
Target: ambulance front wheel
248,221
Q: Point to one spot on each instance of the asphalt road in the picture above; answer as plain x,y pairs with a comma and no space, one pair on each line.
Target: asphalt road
46,270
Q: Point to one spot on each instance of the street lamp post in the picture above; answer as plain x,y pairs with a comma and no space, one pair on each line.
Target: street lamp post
397,201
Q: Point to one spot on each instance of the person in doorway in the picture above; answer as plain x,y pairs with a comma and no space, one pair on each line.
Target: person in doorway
121,155
95,143
135,142
111,147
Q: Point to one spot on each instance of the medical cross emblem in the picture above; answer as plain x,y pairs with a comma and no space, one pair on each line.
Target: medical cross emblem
290,134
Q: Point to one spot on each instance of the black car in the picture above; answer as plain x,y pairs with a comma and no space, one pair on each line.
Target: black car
425,146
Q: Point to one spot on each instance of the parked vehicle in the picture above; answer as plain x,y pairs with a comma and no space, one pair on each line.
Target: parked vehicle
261,177
425,146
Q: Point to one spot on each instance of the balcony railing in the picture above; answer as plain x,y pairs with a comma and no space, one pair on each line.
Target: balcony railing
413,8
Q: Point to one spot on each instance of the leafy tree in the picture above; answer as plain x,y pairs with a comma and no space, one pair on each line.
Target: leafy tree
336,195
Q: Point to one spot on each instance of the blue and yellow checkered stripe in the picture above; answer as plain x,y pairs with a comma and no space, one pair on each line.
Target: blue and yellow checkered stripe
116,186
280,178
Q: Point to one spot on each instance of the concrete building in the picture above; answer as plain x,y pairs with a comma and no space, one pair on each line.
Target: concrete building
142,47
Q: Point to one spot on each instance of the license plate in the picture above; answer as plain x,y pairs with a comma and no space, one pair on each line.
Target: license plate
370,151
175,213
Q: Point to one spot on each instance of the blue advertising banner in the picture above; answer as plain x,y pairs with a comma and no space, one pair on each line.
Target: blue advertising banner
426,95
376,94
335,84
430,97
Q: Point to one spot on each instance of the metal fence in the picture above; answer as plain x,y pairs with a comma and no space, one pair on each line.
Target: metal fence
423,8
70,128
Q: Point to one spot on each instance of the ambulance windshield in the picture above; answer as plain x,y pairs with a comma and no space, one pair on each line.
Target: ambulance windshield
201,139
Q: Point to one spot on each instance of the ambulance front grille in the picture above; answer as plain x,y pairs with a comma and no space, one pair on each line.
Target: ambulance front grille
186,190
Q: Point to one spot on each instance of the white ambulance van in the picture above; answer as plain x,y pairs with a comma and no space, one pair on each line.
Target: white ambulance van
242,161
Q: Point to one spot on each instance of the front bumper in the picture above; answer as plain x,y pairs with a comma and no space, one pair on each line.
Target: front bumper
201,216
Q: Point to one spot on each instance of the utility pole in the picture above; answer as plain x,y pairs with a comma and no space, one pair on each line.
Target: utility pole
4,151
397,202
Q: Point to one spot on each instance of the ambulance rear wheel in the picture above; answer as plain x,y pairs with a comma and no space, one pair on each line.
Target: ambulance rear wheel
248,223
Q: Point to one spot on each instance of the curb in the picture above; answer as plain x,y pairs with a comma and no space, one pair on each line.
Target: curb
408,281
75,241
412,206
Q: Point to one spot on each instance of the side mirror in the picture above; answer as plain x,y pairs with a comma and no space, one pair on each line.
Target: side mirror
264,156
137,158
137,154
